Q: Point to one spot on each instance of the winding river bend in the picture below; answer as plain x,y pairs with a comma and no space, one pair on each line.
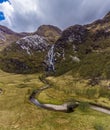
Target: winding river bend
66,107
62,108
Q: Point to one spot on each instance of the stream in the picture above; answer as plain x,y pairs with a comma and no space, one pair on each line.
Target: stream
100,109
62,108
66,107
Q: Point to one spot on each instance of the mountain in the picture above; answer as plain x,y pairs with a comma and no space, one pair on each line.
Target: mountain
67,46
25,56
8,36
83,50
50,32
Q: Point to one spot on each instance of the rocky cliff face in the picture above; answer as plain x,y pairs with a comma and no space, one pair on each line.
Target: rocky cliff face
67,46
33,43
72,37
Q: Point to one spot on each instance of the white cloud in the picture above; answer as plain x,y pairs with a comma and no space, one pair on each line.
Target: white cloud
8,12
27,15
21,15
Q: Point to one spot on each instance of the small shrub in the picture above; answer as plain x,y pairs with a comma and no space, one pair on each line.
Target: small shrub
90,93
103,92
98,127
79,92
84,106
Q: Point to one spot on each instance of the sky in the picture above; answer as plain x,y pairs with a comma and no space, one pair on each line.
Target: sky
28,15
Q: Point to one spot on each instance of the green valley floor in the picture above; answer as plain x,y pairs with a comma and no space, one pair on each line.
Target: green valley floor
18,113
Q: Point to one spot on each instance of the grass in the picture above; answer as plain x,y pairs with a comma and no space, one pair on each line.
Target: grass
67,89
17,113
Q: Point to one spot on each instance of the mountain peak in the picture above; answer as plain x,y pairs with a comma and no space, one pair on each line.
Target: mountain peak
50,32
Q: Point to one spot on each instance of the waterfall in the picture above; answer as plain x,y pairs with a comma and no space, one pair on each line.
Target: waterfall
50,60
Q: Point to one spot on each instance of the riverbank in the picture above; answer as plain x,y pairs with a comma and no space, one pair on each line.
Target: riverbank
66,107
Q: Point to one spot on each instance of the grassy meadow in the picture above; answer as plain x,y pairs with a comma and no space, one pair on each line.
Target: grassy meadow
17,113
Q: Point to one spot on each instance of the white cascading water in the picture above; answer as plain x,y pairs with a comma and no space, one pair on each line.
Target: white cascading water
50,55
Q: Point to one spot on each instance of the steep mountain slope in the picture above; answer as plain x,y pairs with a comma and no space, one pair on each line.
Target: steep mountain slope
7,36
24,56
67,47
101,24
85,49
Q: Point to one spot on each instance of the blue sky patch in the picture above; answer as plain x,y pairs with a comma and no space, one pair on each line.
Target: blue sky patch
2,17
1,1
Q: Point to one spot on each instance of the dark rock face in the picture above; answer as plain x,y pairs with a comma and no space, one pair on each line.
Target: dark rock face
99,34
71,38
74,34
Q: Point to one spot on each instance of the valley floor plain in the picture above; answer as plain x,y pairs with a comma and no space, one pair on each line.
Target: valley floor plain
18,113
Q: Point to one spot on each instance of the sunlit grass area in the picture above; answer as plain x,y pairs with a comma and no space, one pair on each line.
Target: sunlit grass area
68,88
17,113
